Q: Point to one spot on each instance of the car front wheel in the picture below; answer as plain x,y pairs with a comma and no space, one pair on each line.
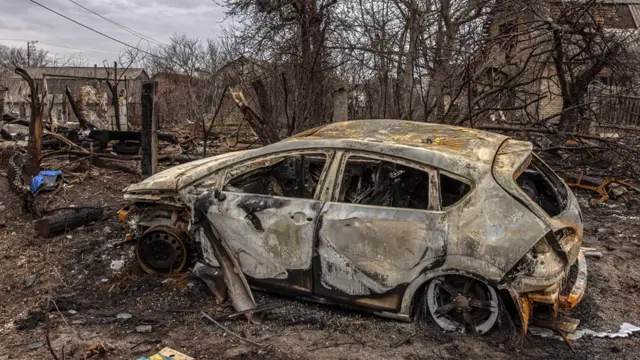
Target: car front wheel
460,303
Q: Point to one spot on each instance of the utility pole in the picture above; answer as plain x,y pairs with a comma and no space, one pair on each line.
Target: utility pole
29,45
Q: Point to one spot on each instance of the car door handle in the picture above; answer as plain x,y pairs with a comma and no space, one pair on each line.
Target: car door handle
300,218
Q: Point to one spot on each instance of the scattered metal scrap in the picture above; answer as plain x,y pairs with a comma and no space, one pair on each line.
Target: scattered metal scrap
624,331
225,329
605,187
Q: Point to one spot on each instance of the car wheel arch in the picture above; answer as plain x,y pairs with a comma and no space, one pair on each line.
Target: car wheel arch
416,288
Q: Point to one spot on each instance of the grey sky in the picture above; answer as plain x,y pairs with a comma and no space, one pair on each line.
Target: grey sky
23,20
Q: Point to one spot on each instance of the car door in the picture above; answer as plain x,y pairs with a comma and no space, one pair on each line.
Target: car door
380,230
267,212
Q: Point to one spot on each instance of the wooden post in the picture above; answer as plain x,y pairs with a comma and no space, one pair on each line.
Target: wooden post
34,146
114,95
3,91
149,143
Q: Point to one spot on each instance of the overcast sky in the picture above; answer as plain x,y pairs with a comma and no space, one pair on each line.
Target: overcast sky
23,20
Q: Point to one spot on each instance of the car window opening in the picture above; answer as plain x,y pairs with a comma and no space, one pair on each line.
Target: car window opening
383,183
452,190
543,187
289,176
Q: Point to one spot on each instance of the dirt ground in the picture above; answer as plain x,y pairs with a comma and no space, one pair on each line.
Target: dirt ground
74,270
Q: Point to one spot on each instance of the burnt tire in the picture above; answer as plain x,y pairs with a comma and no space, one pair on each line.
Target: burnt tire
51,144
126,148
462,304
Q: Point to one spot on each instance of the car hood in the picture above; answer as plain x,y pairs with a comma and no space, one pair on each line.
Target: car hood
169,179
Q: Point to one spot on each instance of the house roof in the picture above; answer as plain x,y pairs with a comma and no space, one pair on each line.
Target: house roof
83,72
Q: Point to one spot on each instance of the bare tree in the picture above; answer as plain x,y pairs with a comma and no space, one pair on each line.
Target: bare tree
15,57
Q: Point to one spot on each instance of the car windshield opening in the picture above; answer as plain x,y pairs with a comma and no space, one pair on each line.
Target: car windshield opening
543,186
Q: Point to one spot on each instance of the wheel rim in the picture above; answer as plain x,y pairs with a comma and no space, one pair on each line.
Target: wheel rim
161,250
460,303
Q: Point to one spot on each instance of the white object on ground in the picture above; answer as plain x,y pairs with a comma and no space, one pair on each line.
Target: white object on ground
625,330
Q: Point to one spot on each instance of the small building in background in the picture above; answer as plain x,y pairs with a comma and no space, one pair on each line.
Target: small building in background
81,81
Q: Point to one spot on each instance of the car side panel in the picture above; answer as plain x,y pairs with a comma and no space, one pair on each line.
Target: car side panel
490,231
366,250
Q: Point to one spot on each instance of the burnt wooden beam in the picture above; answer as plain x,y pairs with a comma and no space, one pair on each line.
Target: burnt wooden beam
149,136
66,220
110,135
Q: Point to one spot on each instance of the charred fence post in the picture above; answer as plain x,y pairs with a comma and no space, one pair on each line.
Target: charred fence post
34,146
149,143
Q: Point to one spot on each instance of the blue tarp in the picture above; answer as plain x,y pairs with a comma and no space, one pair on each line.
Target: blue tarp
45,180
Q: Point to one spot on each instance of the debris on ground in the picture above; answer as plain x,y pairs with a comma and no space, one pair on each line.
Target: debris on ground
605,187
29,280
46,180
144,328
625,330
123,316
99,348
68,219
35,345
168,354
116,265
593,254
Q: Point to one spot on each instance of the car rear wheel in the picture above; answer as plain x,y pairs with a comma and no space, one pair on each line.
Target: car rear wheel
460,303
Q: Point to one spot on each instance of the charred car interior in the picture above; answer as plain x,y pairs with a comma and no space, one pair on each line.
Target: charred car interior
374,215
291,176
543,187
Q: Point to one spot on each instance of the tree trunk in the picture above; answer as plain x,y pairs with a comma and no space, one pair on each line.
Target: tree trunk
76,110
34,146
265,131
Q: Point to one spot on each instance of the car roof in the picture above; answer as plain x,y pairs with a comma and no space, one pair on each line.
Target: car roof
474,145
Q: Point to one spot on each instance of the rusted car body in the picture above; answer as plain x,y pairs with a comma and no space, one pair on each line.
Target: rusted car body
378,214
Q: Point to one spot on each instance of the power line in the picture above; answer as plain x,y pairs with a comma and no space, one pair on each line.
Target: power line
79,49
127,29
64,46
98,32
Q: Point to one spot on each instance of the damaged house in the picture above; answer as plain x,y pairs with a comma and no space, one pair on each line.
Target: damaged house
571,63
90,87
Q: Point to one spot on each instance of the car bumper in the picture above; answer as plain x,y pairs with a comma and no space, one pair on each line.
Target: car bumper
557,296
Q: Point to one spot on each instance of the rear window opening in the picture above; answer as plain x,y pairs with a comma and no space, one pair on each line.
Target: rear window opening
451,190
543,186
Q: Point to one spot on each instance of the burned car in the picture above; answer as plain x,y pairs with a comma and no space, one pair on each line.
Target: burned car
379,215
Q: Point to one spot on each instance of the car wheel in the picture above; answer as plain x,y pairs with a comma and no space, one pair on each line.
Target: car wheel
460,303
161,250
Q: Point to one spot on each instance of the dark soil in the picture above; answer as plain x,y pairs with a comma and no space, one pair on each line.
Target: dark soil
74,270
